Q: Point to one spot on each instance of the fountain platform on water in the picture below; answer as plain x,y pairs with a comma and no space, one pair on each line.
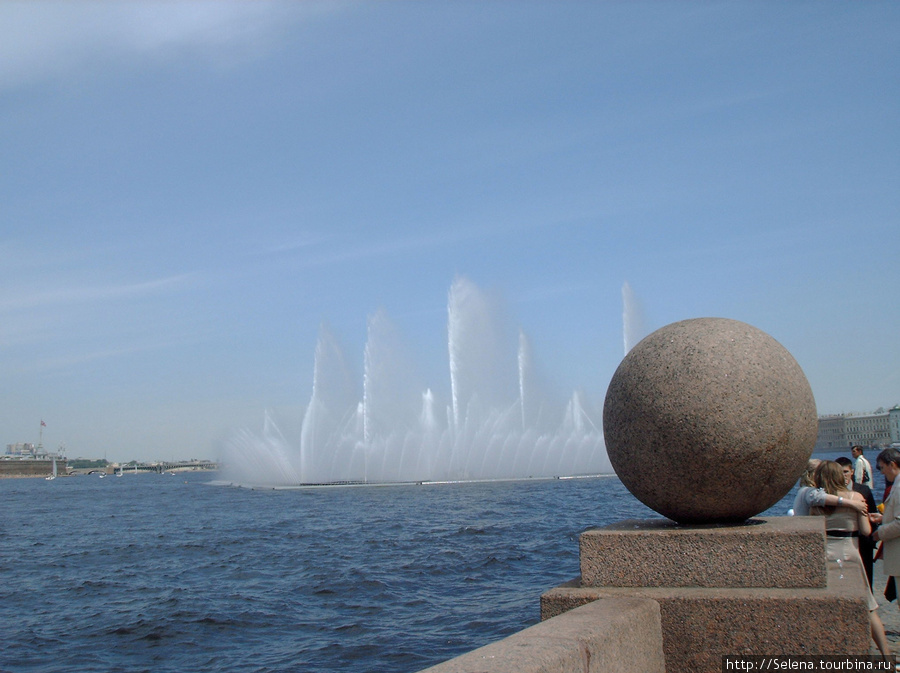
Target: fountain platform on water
498,423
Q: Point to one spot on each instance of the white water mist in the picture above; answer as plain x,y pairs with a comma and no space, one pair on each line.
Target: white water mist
499,422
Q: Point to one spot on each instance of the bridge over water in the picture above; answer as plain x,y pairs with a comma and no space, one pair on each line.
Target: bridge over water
184,465
158,468
172,466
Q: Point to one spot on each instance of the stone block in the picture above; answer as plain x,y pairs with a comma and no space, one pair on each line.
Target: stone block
700,625
780,552
616,635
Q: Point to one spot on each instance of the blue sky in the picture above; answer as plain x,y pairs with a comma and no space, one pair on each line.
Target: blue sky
188,190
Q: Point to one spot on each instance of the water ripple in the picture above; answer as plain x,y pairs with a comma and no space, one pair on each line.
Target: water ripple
170,575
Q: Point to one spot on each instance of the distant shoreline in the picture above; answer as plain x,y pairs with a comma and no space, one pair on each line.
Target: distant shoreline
7,474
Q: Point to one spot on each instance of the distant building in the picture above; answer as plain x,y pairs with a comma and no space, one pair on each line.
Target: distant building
868,429
894,422
21,450
831,433
29,451
841,431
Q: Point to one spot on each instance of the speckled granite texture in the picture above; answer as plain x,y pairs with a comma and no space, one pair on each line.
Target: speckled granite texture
780,552
701,625
702,622
709,420
619,636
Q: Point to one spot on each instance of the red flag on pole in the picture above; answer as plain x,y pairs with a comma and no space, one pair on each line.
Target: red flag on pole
43,425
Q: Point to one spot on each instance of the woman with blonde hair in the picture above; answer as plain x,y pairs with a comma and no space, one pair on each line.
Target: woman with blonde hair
808,495
843,526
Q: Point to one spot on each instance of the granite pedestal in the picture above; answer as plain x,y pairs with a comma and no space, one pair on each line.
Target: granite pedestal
762,587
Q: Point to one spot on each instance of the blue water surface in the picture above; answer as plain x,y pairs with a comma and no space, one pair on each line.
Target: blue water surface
168,573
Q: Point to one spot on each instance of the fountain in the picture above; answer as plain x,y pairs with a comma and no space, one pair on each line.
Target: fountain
498,422
632,318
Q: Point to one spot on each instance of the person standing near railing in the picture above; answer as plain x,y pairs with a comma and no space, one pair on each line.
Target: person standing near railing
862,469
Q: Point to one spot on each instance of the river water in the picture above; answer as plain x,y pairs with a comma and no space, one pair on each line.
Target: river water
168,573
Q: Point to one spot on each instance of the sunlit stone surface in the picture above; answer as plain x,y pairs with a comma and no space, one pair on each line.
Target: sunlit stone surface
709,420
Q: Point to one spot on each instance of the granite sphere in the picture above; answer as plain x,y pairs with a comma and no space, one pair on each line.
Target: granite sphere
709,420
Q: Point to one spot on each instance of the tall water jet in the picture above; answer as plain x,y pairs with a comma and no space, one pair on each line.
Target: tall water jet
265,458
330,409
633,329
389,390
524,364
499,421
481,370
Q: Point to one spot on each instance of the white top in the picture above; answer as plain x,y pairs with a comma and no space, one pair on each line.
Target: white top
862,472
808,497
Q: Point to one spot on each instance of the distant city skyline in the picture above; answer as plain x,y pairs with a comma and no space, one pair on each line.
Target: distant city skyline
190,190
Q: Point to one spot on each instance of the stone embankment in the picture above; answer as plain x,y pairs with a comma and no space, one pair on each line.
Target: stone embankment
619,634
30,468
887,610
678,621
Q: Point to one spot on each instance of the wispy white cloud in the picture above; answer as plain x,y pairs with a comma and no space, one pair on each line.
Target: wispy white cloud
75,357
11,300
294,244
359,252
327,251
46,39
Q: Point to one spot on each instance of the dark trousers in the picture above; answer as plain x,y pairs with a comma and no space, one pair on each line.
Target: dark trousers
867,551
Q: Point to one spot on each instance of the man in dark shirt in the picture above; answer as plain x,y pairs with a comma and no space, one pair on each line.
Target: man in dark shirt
866,543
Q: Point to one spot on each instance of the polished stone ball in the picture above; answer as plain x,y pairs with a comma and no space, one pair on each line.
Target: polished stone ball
709,420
